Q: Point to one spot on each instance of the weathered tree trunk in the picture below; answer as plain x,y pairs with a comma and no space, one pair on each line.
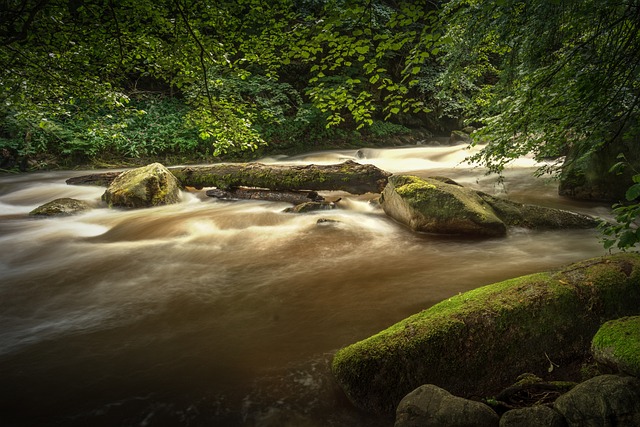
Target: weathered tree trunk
295,197
348,176
98,179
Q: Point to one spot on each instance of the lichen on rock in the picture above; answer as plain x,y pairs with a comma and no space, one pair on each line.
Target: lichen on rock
440,205
431,205
61,207
151,185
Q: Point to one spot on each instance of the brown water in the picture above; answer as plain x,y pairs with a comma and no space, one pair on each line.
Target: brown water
215,313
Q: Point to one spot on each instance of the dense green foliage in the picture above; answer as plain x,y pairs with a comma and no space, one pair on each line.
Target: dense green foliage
77,76
549,78
548,74
150,78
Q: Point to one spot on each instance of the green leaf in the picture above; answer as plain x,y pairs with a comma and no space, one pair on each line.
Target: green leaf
633,192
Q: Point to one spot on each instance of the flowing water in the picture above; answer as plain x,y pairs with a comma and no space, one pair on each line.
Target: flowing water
221,313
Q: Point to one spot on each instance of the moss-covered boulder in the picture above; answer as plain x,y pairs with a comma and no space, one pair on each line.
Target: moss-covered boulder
434,206
515,214
440,205
61,207
151,185
476,343
617,345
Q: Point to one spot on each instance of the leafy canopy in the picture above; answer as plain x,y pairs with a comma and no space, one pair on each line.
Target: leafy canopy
83,60
549,78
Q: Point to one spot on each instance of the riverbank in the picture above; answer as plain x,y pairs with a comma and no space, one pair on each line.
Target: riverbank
401,136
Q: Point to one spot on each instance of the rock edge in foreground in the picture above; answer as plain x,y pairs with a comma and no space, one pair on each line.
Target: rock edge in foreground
476,343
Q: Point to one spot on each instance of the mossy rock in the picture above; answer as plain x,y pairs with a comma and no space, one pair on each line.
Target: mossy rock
617,345
61,207
515,214
476,343
431,205
151,185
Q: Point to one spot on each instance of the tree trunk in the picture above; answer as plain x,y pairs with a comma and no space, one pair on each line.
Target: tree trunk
294,197
98,179
349,176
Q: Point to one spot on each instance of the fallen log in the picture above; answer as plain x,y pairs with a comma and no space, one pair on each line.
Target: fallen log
349,176
294,197
99,179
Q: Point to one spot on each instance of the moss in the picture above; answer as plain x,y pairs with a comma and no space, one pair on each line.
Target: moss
618,343
478,342
431,205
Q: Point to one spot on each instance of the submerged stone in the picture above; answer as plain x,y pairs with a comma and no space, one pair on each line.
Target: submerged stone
478,342
311,207
151,185
61,207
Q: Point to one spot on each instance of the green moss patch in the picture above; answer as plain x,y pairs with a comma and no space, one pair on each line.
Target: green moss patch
434,206
617,344
478,342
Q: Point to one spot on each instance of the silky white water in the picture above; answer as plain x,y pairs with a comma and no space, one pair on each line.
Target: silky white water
221,313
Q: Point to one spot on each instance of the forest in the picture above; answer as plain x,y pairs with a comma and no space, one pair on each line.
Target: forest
104,82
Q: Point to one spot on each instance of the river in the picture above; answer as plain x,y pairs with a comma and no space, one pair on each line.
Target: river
222,313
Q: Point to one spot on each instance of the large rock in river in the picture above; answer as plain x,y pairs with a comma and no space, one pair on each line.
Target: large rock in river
476,343
434,206
151,185
439,205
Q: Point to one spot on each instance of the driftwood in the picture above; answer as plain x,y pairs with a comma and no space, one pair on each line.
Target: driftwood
99,179
349,176
294,197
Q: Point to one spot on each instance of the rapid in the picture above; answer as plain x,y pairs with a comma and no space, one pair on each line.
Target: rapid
227,313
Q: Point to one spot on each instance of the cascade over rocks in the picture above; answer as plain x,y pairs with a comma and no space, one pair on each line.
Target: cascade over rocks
440,205
151,185
476,343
